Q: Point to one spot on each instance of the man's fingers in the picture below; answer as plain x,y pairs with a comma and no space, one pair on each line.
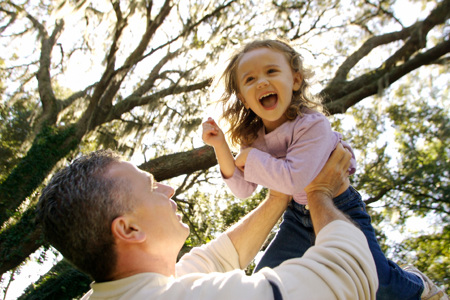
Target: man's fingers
333,175
341,156
348,157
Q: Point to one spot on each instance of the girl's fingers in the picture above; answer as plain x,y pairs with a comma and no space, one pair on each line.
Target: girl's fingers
211,121
209,128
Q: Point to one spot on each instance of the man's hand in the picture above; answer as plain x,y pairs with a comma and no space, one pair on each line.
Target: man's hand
331,181
333,178
279,196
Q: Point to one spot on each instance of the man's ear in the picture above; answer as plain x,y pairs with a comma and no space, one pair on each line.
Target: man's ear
298,80
239,96
123,228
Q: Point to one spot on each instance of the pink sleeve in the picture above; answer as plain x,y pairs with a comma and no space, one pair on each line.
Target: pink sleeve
313,141
239,186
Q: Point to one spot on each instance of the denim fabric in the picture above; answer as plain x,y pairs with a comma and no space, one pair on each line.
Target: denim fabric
296,235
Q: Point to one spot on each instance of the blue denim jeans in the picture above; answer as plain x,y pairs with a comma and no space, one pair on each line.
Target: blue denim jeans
296,235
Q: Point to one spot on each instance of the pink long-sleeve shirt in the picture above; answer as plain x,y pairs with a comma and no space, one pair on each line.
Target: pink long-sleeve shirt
288,158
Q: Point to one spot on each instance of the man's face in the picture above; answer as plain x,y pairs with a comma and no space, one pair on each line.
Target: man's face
154,211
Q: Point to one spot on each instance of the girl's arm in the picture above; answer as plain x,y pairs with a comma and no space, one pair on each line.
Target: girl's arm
234,178
213,136
241,158
309,148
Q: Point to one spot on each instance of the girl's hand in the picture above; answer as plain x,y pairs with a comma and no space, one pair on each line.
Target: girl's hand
241,158
212,135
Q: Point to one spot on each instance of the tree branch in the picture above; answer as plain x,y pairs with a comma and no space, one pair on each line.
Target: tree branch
370,84
75,96
172,165
13,17
419,34
381,193
365,49
131,102
109,73
149,82
48,99
367,84
18,241
110,83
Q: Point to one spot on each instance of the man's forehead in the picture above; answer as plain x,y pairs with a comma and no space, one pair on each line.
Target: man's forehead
121,169
124,169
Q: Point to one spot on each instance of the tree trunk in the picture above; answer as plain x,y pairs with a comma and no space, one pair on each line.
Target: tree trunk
62,282
49,147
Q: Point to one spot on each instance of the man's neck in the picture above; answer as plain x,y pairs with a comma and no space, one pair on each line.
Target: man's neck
136,262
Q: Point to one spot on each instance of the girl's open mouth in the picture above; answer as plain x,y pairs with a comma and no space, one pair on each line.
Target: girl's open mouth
269,101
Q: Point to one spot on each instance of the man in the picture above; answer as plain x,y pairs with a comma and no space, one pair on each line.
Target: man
114,222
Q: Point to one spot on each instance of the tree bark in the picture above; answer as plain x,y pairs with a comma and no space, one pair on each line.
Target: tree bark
49,147
181,163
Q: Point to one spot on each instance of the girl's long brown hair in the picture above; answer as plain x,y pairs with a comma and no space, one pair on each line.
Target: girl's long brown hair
244,123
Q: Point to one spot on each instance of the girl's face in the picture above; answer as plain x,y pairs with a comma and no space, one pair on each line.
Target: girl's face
265,83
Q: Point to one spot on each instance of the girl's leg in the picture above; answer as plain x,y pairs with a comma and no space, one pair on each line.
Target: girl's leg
394,282
293,238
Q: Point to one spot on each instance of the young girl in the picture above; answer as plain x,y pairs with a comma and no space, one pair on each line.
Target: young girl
285,141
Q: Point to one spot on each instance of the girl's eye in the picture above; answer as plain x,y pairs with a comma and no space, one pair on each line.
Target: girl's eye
270,71
248,79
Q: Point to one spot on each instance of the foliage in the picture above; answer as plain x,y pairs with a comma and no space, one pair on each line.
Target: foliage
209,209
430,254
404,159
212,213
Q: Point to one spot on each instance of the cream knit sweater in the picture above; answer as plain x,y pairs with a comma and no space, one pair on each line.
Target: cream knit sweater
339,266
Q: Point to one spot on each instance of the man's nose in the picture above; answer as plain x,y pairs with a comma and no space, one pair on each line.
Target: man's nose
166,190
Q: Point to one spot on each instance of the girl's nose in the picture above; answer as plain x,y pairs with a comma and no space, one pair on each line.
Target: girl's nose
262,83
